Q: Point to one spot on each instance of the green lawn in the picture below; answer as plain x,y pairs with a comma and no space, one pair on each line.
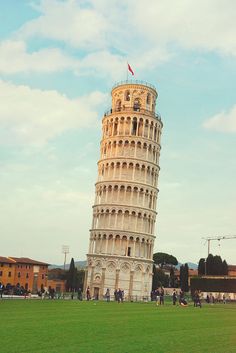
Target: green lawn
65,326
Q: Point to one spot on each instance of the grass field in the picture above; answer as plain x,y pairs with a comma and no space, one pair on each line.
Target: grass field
65,326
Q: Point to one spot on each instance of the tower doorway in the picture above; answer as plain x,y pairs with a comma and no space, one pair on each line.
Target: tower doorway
96,293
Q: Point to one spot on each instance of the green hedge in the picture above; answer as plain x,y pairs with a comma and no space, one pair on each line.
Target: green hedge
227,285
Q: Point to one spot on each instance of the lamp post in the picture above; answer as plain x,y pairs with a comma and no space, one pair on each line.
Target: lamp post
65,251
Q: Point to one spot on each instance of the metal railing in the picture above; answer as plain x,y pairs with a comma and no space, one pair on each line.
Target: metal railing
132,110
133,82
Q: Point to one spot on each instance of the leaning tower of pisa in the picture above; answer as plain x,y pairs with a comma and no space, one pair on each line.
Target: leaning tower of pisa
124,213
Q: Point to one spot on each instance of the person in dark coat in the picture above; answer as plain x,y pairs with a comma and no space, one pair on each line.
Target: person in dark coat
80,294
174,297
162,296
88,295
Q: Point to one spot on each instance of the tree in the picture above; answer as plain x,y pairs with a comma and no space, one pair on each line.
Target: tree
184,278
224,268
159,278
201,267
210,265
214,266
172,279
71,282
161,259
217,269
80,278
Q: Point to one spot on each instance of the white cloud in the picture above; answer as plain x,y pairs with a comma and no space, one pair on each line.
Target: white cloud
33,116
223,122
205,25
144,35
67,21
14,58
131,28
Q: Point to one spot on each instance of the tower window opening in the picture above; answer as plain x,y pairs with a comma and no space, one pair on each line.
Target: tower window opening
155,134
134,127
137,104
148,98
129,251
118,105
127,95
115,129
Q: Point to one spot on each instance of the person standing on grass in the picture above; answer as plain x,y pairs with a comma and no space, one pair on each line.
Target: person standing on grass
107,295
181,296
174,297
162,296
88,296
119,296
115,295
157,295
80,295
1,290
197,299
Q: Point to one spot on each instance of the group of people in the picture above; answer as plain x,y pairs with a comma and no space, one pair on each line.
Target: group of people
118,295
158,295
197,299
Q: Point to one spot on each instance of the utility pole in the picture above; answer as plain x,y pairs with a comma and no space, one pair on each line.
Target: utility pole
219,238
65,251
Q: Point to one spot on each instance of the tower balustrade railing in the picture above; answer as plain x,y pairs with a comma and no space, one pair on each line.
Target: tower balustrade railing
133,82
133,109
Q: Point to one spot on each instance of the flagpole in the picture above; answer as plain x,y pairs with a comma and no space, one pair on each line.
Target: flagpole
127,72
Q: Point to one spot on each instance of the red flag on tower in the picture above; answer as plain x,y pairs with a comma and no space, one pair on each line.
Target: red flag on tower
130,69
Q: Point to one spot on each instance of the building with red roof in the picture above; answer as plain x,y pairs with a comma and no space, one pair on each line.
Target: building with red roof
23,272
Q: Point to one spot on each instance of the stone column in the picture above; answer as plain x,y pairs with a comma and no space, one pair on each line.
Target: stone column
117,278
102,282
134,249
91,277
85,280
106,246
131,282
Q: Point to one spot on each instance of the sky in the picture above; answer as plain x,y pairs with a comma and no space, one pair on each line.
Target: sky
58,62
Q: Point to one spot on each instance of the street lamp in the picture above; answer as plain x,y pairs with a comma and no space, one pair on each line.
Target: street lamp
65,251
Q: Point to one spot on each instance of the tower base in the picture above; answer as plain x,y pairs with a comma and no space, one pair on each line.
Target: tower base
131,275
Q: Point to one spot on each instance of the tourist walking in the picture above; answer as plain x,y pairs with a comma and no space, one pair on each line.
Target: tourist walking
107,295
80,294
197,299
162,296
88,295
120,294
157,295
174,297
